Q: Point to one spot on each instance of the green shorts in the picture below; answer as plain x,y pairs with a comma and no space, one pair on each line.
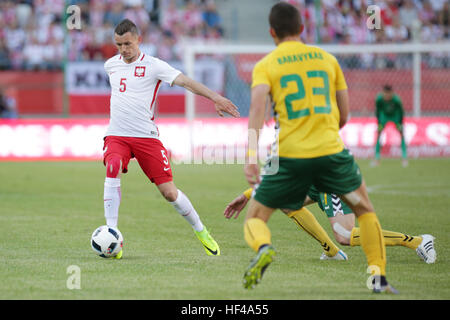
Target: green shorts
329,203
287,188
383,119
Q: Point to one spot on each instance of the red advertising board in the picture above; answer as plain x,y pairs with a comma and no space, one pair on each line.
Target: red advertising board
82,139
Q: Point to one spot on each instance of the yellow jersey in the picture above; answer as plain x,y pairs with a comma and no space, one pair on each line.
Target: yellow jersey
303,81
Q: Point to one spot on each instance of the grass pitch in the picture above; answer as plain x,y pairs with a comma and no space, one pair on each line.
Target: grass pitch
48,211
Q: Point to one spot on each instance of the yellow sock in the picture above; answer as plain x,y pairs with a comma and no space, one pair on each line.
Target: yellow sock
391,238
372,242
306,220
256,233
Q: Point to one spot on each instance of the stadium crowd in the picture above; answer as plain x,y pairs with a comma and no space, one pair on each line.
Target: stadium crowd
345,21
33,35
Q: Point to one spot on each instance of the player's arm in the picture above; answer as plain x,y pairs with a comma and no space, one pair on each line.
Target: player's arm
341,94
238,204
259,96
221,103
401,110
377,107
343,106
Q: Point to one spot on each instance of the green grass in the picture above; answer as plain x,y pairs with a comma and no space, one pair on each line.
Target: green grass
48,211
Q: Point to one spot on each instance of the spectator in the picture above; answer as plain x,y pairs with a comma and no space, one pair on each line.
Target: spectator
33,55
15,37
408,14
5,63
171,15
137,14
388,11
167,48
92,50
444,20
96,14
115,15
396,32
53,54
211,17
437,5
7,106
192,17
23,13
430,33
427,14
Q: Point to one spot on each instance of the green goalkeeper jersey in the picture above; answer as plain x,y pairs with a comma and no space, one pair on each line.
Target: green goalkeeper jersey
389,109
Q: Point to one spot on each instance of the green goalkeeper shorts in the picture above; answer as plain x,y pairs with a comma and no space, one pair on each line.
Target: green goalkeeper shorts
288,186
383,119
329,203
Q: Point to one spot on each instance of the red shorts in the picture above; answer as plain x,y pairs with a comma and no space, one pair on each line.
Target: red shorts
149,152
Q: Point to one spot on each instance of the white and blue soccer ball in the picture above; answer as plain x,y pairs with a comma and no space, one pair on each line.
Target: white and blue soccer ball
106,241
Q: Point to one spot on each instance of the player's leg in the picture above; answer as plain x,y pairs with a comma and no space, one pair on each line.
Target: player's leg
112,193
423,245
258,237
116,157
345,232
285,189
381,125
152,158
181,204
337,213
371,235
341,175
184,207
308,222
399,126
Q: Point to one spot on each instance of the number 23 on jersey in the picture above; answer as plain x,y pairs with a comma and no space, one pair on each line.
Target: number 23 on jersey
300,94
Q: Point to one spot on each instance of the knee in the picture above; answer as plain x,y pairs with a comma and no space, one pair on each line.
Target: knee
170,195
113,166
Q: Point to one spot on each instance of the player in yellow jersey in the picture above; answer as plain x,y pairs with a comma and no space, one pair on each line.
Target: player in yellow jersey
310,96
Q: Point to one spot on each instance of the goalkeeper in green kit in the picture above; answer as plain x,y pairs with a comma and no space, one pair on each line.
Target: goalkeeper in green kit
389,108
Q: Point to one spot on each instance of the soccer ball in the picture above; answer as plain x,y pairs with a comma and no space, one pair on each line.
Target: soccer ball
106,241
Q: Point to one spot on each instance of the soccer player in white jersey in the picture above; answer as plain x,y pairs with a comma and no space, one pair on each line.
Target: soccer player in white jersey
135,78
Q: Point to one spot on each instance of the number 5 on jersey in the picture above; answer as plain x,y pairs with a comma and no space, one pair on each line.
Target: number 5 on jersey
123,85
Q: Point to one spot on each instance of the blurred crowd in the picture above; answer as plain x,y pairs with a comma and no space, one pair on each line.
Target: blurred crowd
33,34
345,21
401,21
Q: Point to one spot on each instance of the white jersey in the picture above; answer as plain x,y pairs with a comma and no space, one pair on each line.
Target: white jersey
134,87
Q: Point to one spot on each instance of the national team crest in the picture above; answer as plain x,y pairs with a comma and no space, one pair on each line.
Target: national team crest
139,71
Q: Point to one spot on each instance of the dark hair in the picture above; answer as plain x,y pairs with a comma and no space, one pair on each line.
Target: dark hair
387,88
285,19
125,26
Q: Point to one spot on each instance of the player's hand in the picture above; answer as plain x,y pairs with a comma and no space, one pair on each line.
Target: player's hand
251,171
235,207
222,105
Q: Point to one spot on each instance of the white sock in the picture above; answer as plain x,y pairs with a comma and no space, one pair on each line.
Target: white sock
111,199
187,211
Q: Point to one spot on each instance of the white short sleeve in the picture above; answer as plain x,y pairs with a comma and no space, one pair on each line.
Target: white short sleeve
164,71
